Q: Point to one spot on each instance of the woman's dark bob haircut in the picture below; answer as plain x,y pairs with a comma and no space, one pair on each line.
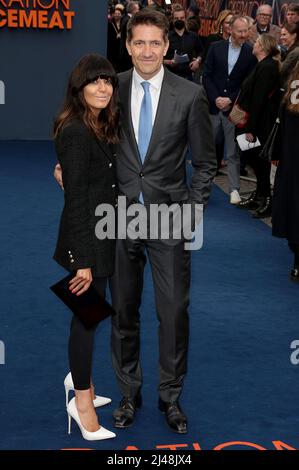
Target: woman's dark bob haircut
106,125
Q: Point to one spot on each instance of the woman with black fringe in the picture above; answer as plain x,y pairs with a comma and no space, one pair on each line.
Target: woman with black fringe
84,132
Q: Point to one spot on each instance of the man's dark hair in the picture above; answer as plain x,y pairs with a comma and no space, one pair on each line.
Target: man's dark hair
293,7
149,18
292,29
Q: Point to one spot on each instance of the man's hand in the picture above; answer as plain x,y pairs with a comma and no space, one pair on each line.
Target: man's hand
223,103
81,282
58,175
250,137
194,65
169,62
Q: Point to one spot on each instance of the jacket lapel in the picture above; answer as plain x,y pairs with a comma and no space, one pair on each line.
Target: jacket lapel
106,149
225,55
164,106
240,58
127,123
166,100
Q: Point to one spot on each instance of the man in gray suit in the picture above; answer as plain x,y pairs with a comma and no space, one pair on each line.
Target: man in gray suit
152,169
161,114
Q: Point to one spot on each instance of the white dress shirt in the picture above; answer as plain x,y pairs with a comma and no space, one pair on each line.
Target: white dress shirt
137,96
233,55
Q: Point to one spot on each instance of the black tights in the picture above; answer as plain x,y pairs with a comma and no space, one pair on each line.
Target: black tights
262,171
81,345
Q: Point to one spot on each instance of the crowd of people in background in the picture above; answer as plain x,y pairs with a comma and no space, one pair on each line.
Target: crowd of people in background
248,61
120,11
130,134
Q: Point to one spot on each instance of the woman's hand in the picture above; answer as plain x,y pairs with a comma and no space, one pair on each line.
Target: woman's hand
58,175
81,282
250,137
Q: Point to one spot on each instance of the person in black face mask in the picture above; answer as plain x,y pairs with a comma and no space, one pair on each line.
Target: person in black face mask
185,48
179,25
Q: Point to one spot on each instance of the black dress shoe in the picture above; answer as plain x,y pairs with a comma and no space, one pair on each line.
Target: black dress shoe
124,415
175,418
294,276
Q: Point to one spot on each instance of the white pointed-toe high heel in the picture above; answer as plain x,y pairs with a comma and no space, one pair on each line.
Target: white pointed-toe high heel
69,385
98,435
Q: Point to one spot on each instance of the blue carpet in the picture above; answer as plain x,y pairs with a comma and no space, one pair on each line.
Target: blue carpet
241,385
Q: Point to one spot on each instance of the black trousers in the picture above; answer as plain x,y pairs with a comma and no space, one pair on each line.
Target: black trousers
295,249
81,345
262,170
170,266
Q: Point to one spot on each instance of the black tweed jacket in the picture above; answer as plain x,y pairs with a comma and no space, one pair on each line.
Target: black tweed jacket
89,179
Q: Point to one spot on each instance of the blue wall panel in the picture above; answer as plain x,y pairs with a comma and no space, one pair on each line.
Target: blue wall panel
34,67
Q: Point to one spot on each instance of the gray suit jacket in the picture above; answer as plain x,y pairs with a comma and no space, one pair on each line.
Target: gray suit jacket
182,119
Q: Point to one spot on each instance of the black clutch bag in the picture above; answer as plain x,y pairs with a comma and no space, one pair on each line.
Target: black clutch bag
90,307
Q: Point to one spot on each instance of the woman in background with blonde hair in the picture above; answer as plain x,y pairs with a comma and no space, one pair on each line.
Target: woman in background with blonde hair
221,31
260,97
250,31
285,218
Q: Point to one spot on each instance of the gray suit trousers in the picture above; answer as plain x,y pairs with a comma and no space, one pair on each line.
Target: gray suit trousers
220,120
170,266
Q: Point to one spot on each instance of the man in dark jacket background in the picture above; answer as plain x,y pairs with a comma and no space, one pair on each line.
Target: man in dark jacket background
227,64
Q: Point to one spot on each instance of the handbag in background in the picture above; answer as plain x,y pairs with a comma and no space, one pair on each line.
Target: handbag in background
270,148
238,116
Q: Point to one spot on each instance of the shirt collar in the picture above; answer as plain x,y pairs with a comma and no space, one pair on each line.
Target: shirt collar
185,33
231,44
155,81
263,30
